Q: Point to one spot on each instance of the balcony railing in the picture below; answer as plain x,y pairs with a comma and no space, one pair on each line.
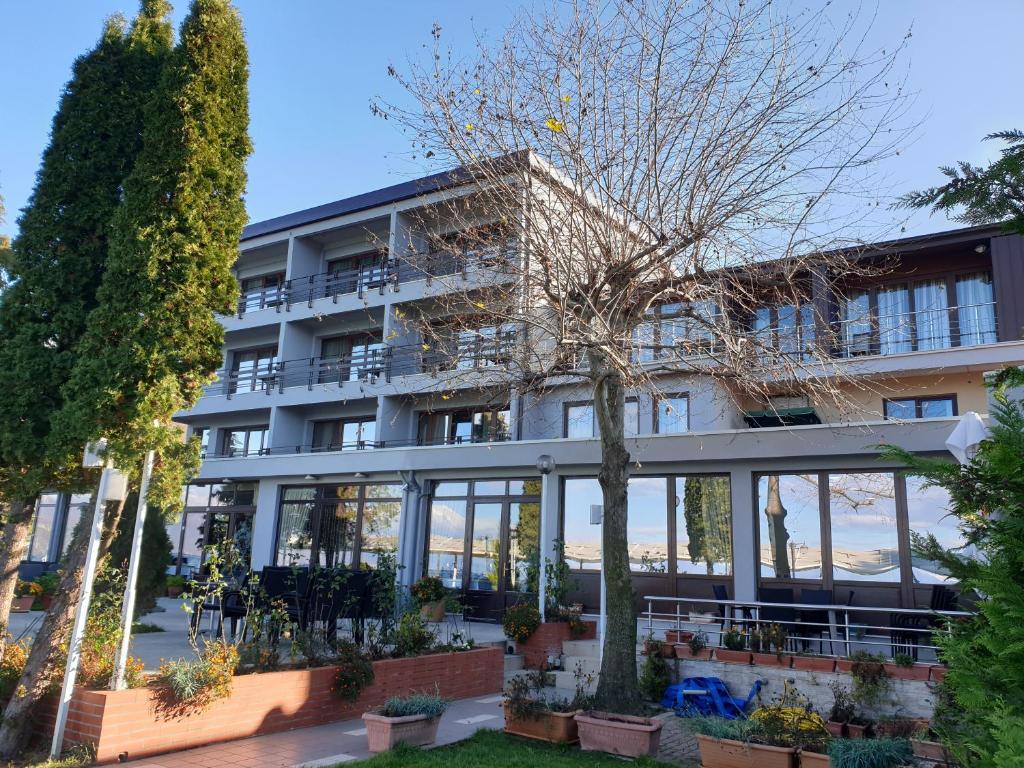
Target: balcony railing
927,329
362,445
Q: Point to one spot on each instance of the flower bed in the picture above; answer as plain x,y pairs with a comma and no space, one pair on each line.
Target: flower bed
138,722
547,641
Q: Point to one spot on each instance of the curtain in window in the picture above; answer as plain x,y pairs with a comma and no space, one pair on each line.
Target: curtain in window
857,324
931,319
894,320
976,313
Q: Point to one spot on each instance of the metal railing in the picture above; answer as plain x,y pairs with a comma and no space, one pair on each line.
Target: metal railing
876,629
926,329
363,445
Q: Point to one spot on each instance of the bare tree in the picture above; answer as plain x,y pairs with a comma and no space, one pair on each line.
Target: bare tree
663,170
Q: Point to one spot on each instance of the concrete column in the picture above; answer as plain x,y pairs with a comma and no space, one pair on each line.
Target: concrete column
303,258
407,530
264,524
746,562
550,516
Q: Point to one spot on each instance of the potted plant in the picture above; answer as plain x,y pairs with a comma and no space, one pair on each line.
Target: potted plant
429,594
926,745
175,586
899,727
728,744
25,593
678,636
411,720
694,648
858,728
814,663
843,709
734,651
788,722
531,715
773,637
902,667
48,582
624,735
869,753
521,621
654,677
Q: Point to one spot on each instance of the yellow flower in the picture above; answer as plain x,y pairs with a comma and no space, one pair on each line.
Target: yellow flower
567,98
555,125
469,126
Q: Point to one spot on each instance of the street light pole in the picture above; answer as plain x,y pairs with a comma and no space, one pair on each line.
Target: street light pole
545,465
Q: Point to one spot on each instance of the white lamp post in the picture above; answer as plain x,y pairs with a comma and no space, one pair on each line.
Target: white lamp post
545,465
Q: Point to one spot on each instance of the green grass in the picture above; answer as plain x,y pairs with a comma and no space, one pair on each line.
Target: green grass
493,749
142,628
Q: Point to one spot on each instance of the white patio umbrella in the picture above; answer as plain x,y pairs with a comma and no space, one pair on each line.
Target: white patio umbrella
964,440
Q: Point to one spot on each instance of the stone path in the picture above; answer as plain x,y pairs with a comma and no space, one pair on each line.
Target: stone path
678,745
324,745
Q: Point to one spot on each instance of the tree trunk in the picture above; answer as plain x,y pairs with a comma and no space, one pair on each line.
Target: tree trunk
617,689
778,536
45,661
13,544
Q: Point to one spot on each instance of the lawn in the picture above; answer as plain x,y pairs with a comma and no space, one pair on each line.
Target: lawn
493,749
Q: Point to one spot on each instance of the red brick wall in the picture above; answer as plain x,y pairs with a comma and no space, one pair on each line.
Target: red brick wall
134,721
548,639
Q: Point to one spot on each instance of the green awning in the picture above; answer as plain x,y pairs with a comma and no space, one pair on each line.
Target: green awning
781,417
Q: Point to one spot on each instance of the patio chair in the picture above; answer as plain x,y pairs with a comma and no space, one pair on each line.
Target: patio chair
906,633
782,615
702,696
815,624
728,613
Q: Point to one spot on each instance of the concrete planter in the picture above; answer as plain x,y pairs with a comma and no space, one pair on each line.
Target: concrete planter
732,657
684,652
913,672
619,734
555,727
726,753
432,611
773,660
814,663
384,733
814,760
930,750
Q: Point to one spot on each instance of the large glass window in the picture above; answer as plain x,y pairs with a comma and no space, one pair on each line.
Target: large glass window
647,524
931,317
703,516
247,441
856,324
673,415
470,425
582,539
579,420
447,540
352,357
379,532
976,309
261,291
44,522
251,368
865,543
787,329
345,434
80,505
894,326
790,526
485,546
928,512
938,407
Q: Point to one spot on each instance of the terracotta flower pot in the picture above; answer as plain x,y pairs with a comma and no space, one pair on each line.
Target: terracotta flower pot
913,672
900,727
383,733
855,731
732,657
22,604
46,601
726,753
556,727
938,673
668,651
930,750
677,635
433,611
814,663
175,591
773,660
836,728
814,760
684,652
619,734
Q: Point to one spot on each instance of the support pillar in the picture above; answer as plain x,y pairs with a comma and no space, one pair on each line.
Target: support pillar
745,557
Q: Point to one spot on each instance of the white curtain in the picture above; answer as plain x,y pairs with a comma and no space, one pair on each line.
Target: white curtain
894,320
857,324
932,316
976,313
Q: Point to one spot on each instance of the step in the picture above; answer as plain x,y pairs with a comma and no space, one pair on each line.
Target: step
587,664
567,681
513,662
588,648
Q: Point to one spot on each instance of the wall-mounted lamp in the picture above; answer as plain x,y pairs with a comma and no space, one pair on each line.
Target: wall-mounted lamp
310,477
980,248
545,464
227,480
360,475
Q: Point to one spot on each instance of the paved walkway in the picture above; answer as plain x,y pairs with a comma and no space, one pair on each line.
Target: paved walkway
323,745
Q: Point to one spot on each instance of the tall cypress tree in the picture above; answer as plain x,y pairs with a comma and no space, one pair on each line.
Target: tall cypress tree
58,258
153,340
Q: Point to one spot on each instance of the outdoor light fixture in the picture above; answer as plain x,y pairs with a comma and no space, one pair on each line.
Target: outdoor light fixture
360,475
310,477
226,480
545,464
980,248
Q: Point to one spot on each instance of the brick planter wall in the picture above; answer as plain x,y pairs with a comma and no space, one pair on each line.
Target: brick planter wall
135,722
548,639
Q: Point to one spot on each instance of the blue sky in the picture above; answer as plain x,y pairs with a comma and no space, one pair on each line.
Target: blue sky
315,65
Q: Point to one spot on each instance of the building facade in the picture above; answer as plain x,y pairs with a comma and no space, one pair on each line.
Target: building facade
333,431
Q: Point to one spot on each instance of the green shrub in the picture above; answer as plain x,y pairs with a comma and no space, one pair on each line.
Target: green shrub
869,753
721,728
49,581
203,680
521,621
355,671
654,677
427,704
412,636
429,589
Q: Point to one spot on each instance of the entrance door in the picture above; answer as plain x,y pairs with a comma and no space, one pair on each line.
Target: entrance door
502,557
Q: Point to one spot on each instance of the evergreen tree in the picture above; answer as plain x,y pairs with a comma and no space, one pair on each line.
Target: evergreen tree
153,340
982,714
982,195
57,260
154,556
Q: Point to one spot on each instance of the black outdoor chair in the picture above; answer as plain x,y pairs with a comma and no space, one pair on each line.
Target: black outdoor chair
335,593
906,633
813,624
287,584
728,613
782,615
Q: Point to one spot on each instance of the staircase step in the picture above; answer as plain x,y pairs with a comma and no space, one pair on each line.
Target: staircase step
513,662
587,664
587,648
567,681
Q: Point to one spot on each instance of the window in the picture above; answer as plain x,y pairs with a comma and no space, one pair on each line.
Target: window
524,541
932,407
351,358
579,420
79,505
931,315
647,524
247,441
676,330
471,425
862,510
976,310
787,330
360,272
673,415
928,512
203,435
345,434
703,513
582,538
856,324
454,346
447,541
894,328
43,526
337,525
261,291
251,369
214,514
790,526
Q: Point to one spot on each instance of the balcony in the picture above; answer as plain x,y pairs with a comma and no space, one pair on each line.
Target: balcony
925,330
